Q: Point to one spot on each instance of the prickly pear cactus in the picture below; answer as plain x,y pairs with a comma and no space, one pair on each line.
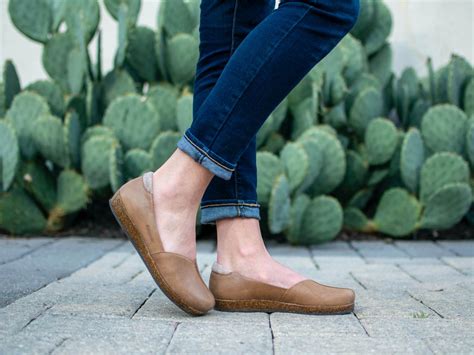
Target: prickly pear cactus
26,108
412,156
322,220
9,154
441,169
443,128
397,213
133,120
446,206
381,140
268,168
279,205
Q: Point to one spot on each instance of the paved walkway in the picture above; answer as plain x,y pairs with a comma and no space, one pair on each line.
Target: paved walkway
82,295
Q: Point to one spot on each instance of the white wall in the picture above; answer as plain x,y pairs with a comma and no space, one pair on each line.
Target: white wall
422,28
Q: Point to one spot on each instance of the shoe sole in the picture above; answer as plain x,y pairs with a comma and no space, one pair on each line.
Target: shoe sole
118,210
275,306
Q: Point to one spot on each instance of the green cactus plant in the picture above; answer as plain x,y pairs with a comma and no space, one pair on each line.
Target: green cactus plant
51,141
268,168
327,137
133,120
443,128
397,213
441,169
26,108
32,19
19,214
184,111
412,156
164,98
298,207
162,147
136,162
446,206
334,162
140,53
322,220
367,105
381,140
9,154
295,163
279,205
52,93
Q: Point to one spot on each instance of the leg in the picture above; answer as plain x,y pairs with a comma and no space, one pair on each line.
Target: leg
180,183
294,37
224,24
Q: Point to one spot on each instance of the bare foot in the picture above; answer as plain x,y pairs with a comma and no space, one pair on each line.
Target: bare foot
178,186
240,248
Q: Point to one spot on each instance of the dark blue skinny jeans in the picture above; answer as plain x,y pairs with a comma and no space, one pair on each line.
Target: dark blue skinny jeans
251,56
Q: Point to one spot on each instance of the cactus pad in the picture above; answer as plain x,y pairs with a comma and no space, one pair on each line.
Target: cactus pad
380,64
72,192
279,205
117,83
184,112
182,54
268,168
133,9
26,108
19,214
381,139
322,220
443,128
140,53
136,162
367,105
447,206
295,162
176,17
412,156
470,143
298,208
355,219
315,158
397,213
164,98
11,82
40,183
55,57
9,154
134,121
468,100
334,161
33,19
162,147
459,72
50,140
439,170
95,160
52,93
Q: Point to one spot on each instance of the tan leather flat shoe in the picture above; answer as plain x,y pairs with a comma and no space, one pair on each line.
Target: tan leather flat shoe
176,275
234,292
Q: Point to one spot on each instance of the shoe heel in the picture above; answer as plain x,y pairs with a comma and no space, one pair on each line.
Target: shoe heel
118,210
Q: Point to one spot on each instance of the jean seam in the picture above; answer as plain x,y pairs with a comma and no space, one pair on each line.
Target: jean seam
207,155
233,26
255,75
231,204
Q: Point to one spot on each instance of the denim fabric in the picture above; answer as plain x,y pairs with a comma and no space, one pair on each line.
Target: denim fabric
251,57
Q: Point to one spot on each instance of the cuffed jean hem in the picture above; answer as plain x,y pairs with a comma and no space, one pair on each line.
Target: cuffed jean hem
211,212
202,155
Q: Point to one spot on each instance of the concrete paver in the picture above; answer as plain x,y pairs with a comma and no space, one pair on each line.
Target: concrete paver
86,295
